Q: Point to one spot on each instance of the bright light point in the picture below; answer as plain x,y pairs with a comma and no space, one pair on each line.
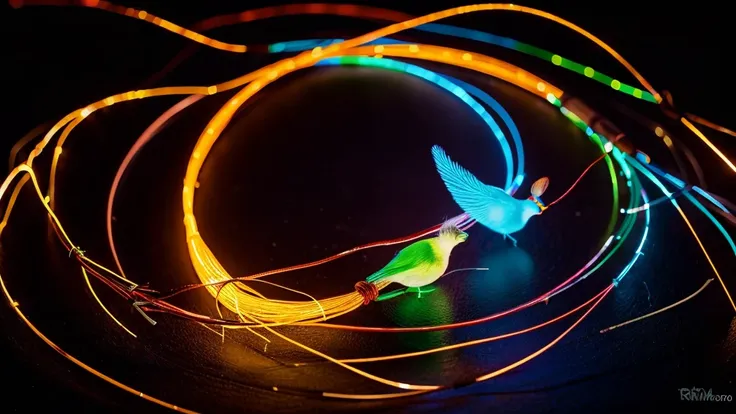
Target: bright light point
142,14
57,150
85,112
467,56
623,211
551,98
588,71
413,48
667,140
659,132
557,60
234,102
608,147
272,74
210,131
317,51
403,386
638,93
615,84
378,49
541,87
195,155
46,199
212,90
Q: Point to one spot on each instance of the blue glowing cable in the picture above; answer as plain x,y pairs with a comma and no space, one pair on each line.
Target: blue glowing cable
448,85
680,184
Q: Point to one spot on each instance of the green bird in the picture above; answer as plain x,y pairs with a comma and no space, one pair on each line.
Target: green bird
421,263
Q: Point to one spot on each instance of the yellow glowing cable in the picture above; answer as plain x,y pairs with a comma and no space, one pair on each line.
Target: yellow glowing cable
248,304
705,139
666,308
11,201
206,265
104,308
16,307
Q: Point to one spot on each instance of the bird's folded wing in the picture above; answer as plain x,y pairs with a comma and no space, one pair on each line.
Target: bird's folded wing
413,257
474,197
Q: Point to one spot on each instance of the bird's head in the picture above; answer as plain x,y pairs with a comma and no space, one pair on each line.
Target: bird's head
529,209
451,235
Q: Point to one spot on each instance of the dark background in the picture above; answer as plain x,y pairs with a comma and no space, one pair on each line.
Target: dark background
308,170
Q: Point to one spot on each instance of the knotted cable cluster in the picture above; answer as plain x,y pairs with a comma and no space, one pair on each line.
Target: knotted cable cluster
368,291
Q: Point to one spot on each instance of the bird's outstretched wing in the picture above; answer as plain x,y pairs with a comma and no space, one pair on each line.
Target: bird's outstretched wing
474,197
414,256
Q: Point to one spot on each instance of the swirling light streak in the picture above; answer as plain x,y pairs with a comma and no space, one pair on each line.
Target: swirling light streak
254,82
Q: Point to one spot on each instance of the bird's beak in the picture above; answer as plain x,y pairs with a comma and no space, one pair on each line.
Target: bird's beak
463,236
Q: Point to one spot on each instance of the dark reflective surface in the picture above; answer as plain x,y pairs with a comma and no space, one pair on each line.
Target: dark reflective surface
322,161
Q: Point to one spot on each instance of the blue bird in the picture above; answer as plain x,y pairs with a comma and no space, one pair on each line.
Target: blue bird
486,204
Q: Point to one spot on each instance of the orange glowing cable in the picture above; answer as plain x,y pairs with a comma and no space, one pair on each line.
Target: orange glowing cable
104,308
470,343
242,299
707,142
709,124
489,375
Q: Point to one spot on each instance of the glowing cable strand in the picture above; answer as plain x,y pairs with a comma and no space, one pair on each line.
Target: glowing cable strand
709,124
625,231
141,15
672,144
453,88
34,133
24,168
466,343
666,308
492,374
618,156
199,251
419,21
438,387
16,307
147,135
707,142
661,186
681,184
557,60
99,302
678,183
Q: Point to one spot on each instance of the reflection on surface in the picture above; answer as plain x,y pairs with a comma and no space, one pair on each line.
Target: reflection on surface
433,308
509,270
